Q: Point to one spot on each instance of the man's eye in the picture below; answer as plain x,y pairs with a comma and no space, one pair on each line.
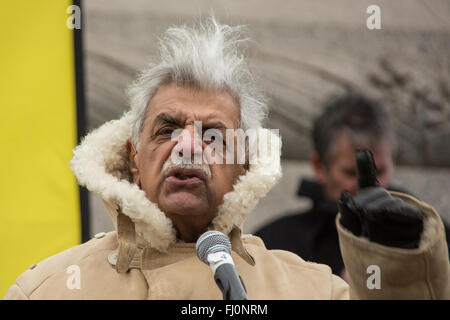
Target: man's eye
214,135
164,131
217,140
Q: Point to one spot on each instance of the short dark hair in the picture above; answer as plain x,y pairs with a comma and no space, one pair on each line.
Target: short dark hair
364,120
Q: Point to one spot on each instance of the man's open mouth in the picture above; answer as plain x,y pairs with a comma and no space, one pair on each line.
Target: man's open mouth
185,176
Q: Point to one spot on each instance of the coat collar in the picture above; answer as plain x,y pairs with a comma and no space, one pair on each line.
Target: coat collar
100,163
132,252
152,259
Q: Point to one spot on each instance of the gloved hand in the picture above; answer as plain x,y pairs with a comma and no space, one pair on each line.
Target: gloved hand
377,215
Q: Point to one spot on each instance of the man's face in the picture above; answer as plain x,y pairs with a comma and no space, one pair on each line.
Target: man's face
341,172
188,197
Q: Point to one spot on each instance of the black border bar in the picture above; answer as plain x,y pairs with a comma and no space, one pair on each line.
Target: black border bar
81,119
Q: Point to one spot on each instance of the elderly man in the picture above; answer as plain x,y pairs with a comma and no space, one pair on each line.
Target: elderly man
161,205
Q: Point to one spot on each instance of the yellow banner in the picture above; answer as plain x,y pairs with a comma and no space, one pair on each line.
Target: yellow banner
39,204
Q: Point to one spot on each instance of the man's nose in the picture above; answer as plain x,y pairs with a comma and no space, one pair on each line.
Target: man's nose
189,146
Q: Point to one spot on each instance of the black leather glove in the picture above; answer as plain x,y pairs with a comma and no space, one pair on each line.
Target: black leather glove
377,215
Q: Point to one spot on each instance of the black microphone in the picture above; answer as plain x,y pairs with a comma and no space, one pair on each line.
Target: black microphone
214,249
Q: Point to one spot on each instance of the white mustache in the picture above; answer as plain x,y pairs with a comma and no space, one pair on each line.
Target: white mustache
169,164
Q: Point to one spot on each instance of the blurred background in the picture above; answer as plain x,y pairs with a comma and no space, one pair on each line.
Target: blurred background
302,51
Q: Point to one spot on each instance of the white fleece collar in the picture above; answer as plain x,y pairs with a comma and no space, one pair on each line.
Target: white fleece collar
100,163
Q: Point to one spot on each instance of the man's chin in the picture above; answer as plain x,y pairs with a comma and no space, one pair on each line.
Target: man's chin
184,203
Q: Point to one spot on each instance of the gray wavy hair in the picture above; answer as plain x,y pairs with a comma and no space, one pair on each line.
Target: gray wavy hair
206,58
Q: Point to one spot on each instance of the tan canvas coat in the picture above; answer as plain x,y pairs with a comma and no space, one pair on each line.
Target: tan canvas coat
142,259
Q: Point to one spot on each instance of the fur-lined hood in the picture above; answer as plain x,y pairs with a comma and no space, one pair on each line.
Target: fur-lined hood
100,163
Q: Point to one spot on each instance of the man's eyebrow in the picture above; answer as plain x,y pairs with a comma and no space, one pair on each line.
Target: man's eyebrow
215,125
178,121
163,117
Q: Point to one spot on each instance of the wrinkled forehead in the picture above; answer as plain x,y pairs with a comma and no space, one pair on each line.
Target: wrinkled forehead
184,105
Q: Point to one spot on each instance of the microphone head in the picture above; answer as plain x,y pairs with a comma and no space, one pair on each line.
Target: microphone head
211,242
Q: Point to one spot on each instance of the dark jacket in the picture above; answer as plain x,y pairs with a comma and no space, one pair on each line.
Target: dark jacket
312,234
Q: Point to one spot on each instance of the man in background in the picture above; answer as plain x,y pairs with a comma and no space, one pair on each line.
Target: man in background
347,123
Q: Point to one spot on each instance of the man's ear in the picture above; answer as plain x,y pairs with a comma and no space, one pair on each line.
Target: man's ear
132,155
318,167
